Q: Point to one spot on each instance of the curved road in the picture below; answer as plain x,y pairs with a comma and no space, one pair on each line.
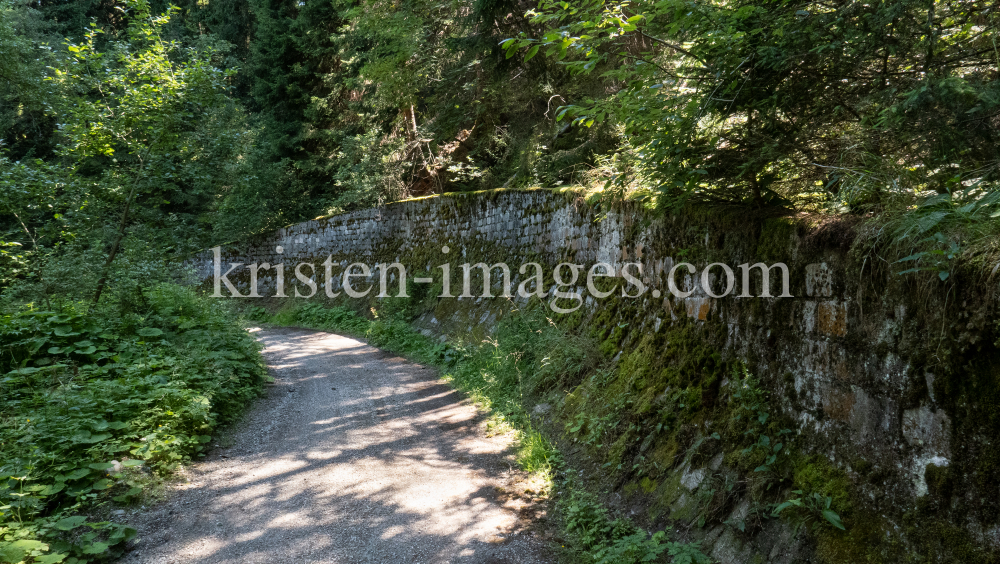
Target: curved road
353,456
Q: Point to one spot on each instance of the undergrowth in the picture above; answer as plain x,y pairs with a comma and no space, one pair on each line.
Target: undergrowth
618,541
938,234
96,404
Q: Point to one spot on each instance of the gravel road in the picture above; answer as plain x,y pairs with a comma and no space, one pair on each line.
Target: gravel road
354,455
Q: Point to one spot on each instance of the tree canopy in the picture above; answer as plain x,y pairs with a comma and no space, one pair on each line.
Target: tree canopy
144,126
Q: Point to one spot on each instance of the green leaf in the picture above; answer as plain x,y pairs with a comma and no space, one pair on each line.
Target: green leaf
95,548
149,332
101,466
54,558
943,275
123,534
834,519
64,331
132,463
781,507
10,554
85,437
913,256
76,474
53,489
79,491
70,523
29,545
531,53
17,551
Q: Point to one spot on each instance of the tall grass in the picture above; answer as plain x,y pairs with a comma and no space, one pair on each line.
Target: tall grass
940,233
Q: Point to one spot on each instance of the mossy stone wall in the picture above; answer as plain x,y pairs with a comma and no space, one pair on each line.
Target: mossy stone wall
890,384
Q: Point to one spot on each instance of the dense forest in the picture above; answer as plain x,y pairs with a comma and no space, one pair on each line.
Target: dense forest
134,133
142,128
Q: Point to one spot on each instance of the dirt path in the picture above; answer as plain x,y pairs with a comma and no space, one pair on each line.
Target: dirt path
355,455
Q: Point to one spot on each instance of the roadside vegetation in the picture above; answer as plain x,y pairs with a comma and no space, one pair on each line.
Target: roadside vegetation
115,141
100,404
530,360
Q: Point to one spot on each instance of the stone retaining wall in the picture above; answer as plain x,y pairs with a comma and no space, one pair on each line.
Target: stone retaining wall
865,363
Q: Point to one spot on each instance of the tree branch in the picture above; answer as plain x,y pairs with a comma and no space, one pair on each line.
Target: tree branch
677,48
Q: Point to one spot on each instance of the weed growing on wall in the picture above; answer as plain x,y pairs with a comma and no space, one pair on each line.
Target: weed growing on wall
96,403
607,541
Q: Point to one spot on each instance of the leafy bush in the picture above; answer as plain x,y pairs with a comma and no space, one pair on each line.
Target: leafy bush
587,519
641,547
88,395
619,541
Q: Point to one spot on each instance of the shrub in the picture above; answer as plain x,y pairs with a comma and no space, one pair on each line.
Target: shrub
87,394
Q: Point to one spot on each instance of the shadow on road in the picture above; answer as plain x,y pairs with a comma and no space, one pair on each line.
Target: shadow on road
355,455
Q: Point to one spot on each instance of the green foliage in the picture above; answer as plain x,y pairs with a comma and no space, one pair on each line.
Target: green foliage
336,318
25,130
367,102
149,93
810,508
619,542
150,151
90,394
943,228
587,520
750,410
12,263
773,103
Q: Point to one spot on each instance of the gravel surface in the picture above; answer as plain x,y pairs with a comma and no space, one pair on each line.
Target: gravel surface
354,455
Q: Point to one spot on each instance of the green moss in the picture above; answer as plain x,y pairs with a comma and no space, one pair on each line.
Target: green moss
937,540
616,453
939,481
648,485
864,542
816,474
665,452
776,236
